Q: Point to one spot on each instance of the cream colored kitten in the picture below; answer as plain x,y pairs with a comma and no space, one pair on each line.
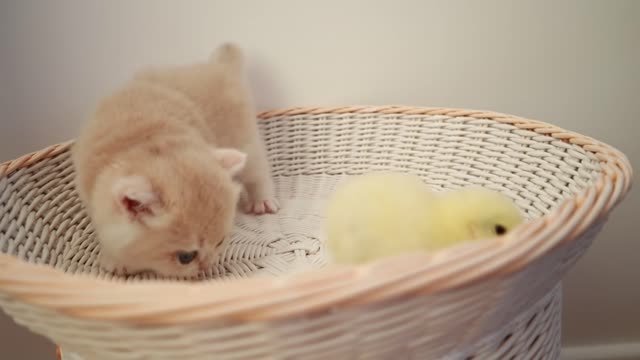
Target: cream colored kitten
156,166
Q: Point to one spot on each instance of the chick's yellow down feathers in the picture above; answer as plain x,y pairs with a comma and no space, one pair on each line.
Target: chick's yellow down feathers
383,214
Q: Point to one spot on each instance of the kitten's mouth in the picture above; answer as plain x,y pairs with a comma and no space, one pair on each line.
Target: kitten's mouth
127,272
144,272
204,268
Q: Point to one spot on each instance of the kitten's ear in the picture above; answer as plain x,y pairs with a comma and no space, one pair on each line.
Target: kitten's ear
135,196
230,159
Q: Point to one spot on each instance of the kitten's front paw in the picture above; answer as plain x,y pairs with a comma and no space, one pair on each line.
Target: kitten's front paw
259,207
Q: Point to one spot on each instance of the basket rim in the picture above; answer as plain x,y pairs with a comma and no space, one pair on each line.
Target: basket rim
158,302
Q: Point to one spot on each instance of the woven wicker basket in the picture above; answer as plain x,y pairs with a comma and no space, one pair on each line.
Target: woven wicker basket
485,300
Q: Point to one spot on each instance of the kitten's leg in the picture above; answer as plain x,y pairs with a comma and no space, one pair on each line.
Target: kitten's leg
260,191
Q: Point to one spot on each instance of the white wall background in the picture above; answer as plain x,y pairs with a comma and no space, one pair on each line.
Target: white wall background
572,63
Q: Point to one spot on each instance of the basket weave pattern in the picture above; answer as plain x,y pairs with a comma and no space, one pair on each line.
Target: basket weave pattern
493,299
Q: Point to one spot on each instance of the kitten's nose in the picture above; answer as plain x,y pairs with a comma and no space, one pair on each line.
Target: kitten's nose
203,266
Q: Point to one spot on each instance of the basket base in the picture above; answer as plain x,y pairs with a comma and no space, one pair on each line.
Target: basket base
534,334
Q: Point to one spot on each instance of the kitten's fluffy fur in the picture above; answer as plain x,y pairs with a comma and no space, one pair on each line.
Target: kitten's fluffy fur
155,167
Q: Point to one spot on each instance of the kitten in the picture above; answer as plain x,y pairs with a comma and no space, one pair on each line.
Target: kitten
156,167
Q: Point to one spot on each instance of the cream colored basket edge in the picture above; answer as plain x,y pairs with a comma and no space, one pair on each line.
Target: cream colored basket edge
369,311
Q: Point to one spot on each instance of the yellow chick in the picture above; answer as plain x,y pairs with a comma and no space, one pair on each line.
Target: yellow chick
383,214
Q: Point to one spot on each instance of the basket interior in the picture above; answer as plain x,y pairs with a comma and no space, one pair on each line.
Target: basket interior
42,220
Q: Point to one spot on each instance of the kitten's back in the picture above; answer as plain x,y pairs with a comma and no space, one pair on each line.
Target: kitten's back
219,89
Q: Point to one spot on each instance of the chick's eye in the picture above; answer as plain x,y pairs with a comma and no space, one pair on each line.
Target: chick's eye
185,257
500,230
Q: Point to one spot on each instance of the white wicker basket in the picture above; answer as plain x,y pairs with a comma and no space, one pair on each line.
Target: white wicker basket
486,300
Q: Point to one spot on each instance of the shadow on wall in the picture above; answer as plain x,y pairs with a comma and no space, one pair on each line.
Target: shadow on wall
20,343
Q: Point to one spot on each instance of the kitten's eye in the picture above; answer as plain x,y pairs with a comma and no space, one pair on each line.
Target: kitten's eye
500,230
219,244
185,257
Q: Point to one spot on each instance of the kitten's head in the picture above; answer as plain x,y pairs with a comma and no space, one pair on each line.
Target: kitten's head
170,215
